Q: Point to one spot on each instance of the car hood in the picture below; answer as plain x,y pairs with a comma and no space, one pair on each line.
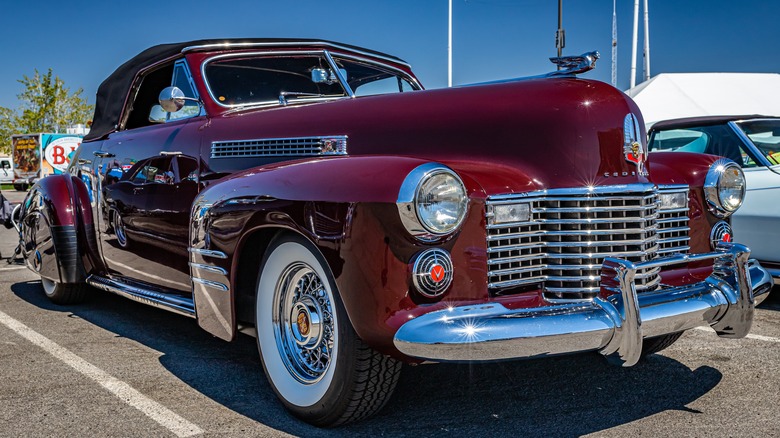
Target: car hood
511,137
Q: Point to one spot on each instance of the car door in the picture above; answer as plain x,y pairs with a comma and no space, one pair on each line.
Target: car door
144,204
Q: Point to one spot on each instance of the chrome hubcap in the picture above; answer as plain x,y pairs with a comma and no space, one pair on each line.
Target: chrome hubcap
303,323
119,230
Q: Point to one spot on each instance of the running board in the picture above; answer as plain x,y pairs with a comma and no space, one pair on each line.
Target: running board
170,302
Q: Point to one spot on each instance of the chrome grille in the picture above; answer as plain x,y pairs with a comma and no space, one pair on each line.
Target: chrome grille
277,147
570,232
673,229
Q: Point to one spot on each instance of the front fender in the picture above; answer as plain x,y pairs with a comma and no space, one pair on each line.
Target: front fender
317,199
687,168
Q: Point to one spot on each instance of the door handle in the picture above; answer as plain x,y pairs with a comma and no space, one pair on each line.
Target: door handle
84,161
102,154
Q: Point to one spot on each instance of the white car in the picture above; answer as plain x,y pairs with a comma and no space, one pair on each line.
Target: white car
6,171
753,142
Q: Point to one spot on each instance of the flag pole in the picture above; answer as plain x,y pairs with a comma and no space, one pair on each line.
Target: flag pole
449,47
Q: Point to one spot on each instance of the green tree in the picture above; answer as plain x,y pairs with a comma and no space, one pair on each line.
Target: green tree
7,128
45,105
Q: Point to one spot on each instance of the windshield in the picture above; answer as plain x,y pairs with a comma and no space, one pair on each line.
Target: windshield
708,139
765,135
255,79
238,81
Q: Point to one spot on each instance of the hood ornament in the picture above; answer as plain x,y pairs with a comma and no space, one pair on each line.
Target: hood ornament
572,65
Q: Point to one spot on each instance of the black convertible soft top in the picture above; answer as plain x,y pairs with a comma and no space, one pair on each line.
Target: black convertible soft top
111,94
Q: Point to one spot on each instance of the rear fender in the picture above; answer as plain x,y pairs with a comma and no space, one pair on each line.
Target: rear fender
53,219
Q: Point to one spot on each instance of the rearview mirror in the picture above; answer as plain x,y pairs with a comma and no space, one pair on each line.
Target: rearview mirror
326,76
172,99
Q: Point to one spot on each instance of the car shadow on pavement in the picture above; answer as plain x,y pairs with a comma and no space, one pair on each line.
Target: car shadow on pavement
569,395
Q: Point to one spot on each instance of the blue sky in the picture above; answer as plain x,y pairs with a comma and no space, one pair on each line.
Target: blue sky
85,40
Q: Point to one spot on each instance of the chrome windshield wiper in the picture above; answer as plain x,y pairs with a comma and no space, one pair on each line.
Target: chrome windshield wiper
283,96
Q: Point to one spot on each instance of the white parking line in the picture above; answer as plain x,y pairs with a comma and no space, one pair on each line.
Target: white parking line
12,268
750,336
157,412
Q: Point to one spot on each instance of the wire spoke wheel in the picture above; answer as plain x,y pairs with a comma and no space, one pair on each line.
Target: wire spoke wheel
304,323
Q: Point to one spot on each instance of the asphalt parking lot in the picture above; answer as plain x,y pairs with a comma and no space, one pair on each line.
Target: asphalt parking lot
112,367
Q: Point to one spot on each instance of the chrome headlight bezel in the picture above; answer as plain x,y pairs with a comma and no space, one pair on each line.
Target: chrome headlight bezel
714,187
409,202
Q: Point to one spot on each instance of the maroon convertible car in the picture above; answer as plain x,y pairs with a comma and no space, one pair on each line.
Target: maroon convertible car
312,194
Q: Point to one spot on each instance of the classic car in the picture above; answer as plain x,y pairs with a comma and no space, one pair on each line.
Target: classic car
753,142
312,194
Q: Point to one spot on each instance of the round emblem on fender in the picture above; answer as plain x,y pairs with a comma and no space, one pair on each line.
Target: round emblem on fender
721,232
437,273
432,272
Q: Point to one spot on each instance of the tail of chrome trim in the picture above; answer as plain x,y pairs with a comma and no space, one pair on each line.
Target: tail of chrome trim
209,268
172,303
209,253
212,284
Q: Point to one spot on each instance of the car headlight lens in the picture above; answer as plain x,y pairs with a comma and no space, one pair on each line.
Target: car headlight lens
724,187
441,202
432,201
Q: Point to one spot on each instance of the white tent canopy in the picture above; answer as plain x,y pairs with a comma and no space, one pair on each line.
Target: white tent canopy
677,95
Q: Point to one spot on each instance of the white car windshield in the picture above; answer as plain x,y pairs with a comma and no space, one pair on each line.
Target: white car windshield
765,135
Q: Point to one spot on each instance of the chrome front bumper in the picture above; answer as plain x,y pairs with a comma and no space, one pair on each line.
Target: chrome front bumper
615,326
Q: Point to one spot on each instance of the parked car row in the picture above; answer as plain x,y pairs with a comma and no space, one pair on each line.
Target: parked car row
314,195
753,142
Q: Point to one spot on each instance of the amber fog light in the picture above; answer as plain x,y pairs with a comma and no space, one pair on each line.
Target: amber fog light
432,272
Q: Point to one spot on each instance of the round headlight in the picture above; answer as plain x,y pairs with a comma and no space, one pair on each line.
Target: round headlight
432,201
724,187
441,202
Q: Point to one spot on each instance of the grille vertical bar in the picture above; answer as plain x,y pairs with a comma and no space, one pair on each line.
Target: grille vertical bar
570,232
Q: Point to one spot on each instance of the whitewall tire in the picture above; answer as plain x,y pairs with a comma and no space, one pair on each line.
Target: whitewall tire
312,357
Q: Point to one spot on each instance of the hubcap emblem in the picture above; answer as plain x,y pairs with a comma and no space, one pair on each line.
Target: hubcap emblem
303,323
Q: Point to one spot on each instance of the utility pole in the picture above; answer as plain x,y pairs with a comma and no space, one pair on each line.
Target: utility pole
614,44
560,34
634,43
647,43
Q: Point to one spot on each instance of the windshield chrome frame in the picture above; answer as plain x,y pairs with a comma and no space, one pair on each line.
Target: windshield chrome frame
349,93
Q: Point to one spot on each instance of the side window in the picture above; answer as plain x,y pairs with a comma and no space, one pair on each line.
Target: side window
147,95
156,170
384,86
682,140
183,81
367,80
186,169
